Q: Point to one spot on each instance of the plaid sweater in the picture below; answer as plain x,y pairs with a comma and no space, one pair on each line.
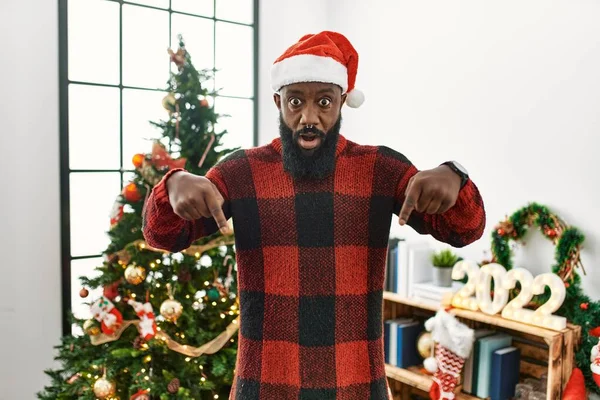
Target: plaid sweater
311,260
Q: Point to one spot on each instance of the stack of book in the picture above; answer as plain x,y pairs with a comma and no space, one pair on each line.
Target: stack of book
492,370
400,342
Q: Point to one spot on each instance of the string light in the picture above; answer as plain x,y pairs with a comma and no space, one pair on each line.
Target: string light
133,295
214,303
206,283
148,358
143,370
147,378
216,396
158,261
187,296
203,379
222,315
152,265
158,285
187,359
223,299
197,255
182,336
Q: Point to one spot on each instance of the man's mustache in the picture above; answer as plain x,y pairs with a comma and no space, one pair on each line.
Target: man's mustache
309,129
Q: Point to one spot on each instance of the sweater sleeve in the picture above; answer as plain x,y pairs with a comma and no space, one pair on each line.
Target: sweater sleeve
459,226
163,229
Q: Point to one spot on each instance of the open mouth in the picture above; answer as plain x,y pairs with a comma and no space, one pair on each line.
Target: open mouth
309,141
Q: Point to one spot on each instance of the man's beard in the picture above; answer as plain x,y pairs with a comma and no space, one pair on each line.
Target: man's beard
317,165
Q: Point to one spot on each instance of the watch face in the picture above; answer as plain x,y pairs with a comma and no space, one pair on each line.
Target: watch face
460,167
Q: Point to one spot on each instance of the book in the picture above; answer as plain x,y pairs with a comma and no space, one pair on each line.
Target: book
506,365
469,366
390,339
418,264
487,346
406,347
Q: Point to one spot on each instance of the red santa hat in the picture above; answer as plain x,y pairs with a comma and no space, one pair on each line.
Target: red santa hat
323,57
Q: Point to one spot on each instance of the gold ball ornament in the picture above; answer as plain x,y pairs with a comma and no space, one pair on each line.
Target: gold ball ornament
91,327
171,309
425,344
168,102
103,388
135,274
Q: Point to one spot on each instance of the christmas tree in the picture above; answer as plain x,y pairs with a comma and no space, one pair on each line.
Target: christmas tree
165,324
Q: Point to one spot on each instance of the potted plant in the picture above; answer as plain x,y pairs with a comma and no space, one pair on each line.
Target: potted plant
443,261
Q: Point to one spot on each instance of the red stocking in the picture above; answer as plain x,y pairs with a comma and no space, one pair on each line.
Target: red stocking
447,375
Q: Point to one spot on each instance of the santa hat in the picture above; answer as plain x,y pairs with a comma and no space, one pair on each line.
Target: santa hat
323,57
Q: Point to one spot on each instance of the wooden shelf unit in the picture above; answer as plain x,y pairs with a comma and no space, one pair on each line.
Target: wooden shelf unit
543,350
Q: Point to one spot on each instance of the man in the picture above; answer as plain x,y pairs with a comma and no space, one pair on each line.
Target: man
312,212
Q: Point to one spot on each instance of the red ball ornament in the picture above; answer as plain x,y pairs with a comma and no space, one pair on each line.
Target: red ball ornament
204,103
551,233
131,193
112,290
138,160
584,306
501,232
83,293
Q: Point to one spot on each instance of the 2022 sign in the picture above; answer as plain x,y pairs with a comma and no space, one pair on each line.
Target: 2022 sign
476,294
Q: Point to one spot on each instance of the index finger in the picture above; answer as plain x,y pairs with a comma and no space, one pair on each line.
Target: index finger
412,196
214,202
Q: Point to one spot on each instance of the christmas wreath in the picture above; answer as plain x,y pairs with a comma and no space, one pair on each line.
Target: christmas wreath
568,241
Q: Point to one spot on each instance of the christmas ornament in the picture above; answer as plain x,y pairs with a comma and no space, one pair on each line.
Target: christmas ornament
425,344
83,293
137,342
147,325
575,389
138,160
184,275
142,394
162,160
168,102
104,388
105,312
73,378
454,342
91,327
204,103
111,291
173,386
178,58
213,294
171,309
135,274
131,193
595,363
116,213
584,306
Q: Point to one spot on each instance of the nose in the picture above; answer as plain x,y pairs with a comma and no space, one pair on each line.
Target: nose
309,117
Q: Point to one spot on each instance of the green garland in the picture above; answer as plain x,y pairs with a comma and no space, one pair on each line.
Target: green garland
577,307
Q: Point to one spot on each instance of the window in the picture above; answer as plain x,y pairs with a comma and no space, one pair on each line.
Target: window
114,68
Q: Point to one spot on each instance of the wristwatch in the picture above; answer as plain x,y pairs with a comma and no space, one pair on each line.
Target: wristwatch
460,171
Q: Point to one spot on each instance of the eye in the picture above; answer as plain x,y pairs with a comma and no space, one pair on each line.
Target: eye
295,102
324,102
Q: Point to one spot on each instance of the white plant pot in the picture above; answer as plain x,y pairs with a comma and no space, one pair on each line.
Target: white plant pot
442,277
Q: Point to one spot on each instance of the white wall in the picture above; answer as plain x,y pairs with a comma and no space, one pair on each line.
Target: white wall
480,82
281,24
30,305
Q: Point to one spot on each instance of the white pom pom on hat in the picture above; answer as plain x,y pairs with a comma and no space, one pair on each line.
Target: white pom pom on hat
323,57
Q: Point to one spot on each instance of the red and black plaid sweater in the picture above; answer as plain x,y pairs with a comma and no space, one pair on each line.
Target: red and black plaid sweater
311,260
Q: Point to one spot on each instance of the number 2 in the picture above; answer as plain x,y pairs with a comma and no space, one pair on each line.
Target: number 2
464,297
